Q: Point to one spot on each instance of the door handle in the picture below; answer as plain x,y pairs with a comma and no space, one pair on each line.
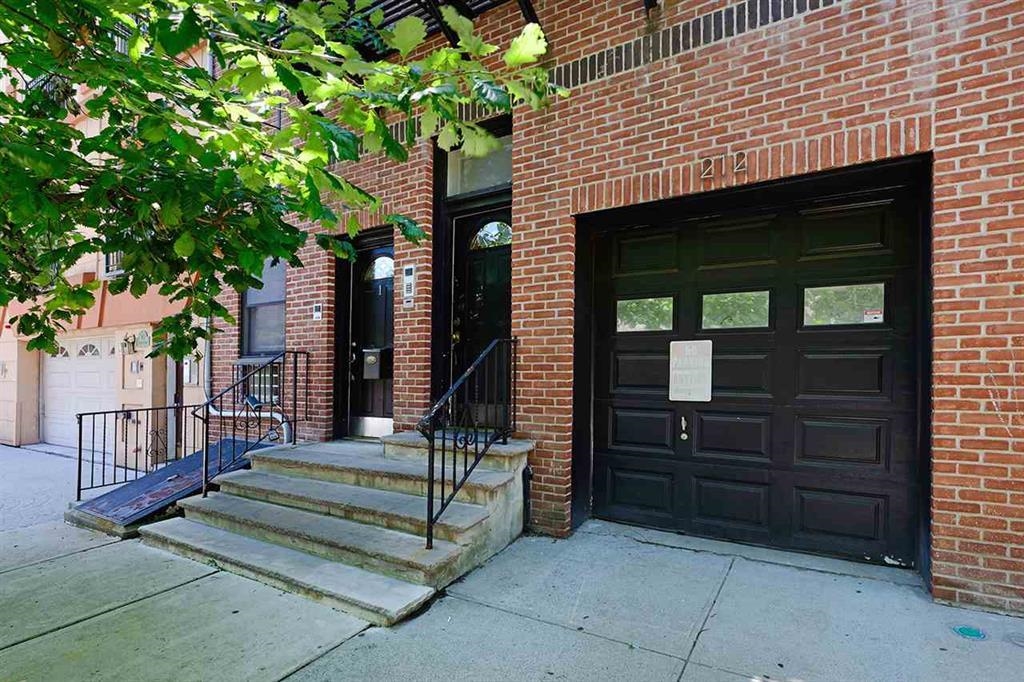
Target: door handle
682,427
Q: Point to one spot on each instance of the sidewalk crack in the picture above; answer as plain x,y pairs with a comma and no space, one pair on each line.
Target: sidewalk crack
707,617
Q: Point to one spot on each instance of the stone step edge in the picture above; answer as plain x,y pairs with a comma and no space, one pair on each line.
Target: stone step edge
415,525
194,505
514,449
156,536
366,465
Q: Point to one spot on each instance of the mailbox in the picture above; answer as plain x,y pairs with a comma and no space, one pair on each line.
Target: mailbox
376,363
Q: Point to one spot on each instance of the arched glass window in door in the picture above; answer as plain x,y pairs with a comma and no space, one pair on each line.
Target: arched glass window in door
382,267
491,235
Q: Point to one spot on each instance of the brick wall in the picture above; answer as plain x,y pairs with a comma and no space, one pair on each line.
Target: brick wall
799,86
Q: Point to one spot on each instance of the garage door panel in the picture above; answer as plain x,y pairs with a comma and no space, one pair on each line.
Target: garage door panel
645,253
839,442
732,437
637,490
640,371
849,373
737,373
742,243
848,230
731,504
639,430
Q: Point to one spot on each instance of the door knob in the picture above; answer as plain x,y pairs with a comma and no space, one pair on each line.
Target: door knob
682,427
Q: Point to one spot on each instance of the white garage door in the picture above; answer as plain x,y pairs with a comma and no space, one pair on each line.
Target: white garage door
82,378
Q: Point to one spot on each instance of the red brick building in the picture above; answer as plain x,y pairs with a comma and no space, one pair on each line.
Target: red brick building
830,192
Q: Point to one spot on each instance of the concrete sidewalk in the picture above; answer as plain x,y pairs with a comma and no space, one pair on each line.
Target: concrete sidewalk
620,603
610,603
37,485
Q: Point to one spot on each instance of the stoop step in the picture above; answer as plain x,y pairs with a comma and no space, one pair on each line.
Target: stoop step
412,446
355,467
394,510
379,599
391,552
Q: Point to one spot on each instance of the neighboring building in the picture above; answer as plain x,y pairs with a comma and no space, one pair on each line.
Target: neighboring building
101,364
828,192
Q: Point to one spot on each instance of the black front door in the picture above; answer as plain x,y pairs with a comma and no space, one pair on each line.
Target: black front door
371,341
810,438
481,283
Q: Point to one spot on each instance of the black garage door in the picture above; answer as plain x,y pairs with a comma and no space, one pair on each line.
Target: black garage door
810,439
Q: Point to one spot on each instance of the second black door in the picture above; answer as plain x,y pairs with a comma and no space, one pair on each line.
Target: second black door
481,283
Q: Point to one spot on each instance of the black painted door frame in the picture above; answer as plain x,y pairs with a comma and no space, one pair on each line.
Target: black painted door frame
912,172
447,211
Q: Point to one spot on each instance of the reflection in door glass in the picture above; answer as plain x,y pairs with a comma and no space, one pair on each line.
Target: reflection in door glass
735,310
644,314
491,235
382,268
844,304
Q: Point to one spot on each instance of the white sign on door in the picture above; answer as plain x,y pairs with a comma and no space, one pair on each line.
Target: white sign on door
689,376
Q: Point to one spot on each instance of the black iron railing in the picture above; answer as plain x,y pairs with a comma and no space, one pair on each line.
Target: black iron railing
475,413
264,403
117,446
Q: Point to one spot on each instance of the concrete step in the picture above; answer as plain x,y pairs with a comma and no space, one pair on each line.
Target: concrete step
377,549
376,598
399,511
364,465
412,446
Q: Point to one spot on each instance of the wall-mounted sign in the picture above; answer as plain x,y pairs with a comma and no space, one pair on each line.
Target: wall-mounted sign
689,373
318,311
408,286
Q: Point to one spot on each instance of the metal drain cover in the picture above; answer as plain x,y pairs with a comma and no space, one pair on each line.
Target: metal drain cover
970,632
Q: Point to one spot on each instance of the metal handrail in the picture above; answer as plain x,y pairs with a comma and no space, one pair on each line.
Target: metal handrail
477,411
267,392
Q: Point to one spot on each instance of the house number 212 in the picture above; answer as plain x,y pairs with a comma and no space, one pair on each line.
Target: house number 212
718,165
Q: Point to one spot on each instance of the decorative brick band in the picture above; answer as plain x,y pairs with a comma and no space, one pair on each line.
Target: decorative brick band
670,42
843,148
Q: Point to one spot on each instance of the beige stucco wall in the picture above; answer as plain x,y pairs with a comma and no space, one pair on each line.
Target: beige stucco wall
19,392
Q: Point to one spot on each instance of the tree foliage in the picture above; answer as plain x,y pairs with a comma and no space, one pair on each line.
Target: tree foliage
200,174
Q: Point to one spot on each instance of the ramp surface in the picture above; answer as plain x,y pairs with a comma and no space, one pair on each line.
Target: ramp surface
157,490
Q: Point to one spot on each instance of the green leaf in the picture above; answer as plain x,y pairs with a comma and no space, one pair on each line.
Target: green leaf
307,16
170,211
491,94
288,78
185,245
527,47
177,39
406,35
409,228
137,45
153,129
462,26
448,138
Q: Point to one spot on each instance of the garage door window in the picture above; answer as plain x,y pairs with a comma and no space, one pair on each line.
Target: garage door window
844,304
88,350
735,310
644,314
